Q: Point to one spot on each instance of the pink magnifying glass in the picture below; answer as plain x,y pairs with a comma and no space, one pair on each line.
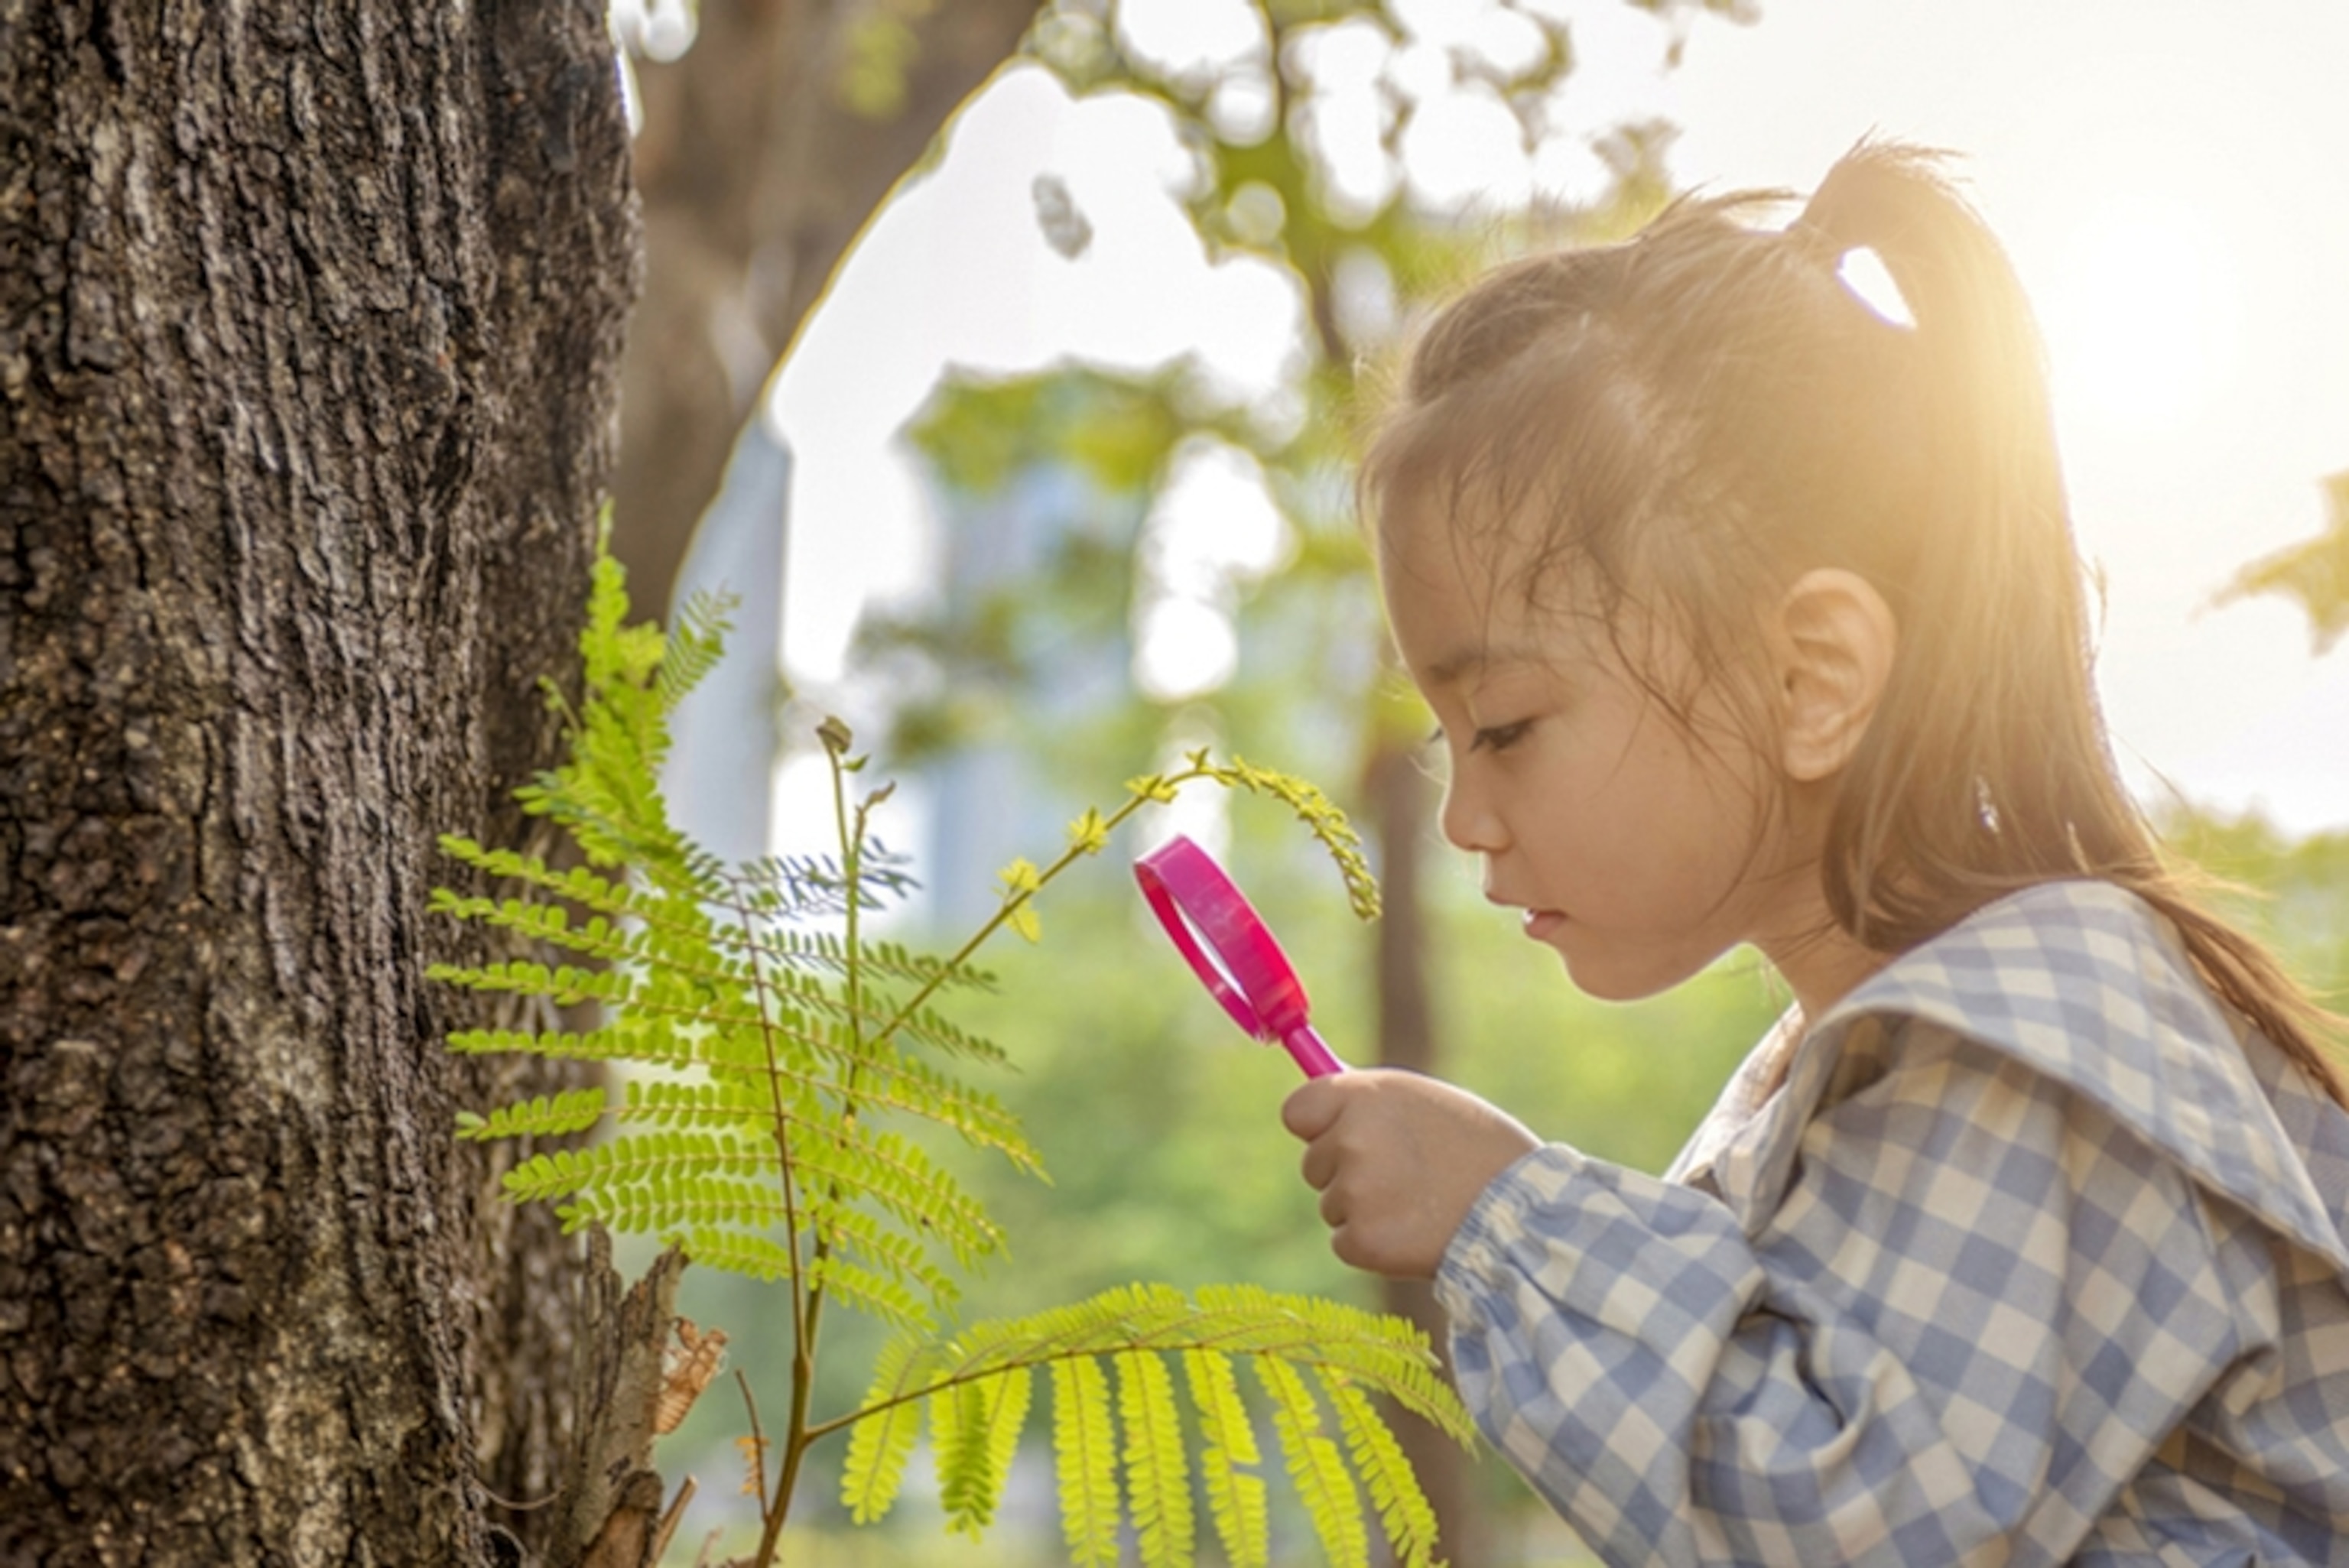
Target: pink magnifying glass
1231,950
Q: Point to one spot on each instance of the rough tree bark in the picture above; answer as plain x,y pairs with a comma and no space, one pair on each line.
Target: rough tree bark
310,316
765,150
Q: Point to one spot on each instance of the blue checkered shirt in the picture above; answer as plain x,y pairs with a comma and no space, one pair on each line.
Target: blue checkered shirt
2027,1261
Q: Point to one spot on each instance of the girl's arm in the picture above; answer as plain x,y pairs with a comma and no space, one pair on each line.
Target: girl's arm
1978,1309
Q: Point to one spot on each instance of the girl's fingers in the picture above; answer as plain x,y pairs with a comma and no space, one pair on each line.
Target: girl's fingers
1319,1164
1310,1109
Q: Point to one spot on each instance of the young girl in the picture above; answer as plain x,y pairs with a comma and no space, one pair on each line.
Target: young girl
1753,615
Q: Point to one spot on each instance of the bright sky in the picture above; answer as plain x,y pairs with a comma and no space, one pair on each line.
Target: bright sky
2172,179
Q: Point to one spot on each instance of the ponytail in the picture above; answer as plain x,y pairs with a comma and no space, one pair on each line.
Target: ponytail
1987,768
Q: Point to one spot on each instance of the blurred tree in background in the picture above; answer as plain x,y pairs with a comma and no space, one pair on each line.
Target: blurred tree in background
764,149
1268,130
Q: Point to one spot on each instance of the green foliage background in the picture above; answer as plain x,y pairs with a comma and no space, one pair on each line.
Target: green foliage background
1161,1124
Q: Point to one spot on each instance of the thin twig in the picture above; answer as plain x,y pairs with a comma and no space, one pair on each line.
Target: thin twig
758,1440
670,1520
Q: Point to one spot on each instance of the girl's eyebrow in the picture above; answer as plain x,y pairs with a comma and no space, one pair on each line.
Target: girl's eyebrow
1454,666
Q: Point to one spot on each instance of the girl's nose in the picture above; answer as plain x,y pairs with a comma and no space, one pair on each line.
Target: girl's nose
1469,821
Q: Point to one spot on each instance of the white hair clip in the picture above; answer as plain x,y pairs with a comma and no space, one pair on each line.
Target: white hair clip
1863,272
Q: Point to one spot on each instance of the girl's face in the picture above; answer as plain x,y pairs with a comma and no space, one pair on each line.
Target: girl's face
1639,843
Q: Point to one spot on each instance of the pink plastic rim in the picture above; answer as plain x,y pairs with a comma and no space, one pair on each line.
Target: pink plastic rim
1193,900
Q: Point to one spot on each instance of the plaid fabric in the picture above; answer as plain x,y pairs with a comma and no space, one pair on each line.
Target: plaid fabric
2028,1261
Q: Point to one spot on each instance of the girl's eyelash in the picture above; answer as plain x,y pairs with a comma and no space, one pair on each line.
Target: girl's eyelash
1499,737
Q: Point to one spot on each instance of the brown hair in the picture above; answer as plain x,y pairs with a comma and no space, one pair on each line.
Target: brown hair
1708,409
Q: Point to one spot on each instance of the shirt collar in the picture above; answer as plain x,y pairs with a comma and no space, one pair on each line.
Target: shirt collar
2085,985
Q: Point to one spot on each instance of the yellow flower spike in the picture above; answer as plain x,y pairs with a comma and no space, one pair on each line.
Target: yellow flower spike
1020,880
1150,787
1089,833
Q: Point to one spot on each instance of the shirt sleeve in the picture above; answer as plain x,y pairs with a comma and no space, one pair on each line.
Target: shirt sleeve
1978,1306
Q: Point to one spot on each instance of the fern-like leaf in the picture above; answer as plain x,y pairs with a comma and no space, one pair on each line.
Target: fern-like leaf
1236,1499
1404,1513
1315,1467
1130,1333
1084,1444
882,1442
1320,816
1157,1476
696,642
786,1058
877,1294
572,1111
976,1451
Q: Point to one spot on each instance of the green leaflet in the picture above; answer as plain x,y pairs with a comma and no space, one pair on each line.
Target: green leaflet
880,1293
1319,814
1084,1445
975,1445
1402,1507
573,1110
1315,1467
1236,1499
879,1447
1157,1477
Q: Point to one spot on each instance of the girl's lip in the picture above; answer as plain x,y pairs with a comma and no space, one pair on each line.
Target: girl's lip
1540,922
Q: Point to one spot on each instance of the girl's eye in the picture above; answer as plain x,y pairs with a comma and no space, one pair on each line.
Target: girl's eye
1500,736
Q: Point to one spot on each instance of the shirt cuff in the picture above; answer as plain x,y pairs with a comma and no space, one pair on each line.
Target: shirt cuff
1495,1220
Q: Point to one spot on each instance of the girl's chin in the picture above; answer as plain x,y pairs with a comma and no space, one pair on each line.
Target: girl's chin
1620,976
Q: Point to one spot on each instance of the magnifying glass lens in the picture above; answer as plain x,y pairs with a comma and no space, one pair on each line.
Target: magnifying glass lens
1231,949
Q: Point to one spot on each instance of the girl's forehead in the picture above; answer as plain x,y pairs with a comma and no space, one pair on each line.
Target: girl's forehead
1452,539
1498,564
1464,607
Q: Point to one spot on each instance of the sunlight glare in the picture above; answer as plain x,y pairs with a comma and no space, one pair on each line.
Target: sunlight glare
2142,320
1191,40
1216,516
1862,272
659,30
1464,150
1345,116
1213,528
1182,648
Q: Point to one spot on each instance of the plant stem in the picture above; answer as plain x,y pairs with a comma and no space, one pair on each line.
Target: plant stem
800,1433
809,1322
803,1316
1068,857
758,1438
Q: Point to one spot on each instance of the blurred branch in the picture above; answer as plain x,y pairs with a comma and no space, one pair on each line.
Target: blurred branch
2314,572
766,148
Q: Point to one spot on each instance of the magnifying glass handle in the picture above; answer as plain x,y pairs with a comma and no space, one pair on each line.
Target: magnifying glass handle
1311,1052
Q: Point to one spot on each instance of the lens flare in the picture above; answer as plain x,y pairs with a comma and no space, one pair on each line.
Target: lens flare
2143,320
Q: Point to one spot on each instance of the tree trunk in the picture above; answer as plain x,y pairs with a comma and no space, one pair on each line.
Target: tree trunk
1396,791
310,314
766,149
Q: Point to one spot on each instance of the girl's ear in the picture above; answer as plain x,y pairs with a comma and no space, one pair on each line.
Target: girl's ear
1833,640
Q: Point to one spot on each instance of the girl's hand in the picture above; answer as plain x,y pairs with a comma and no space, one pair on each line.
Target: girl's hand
1399,1160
